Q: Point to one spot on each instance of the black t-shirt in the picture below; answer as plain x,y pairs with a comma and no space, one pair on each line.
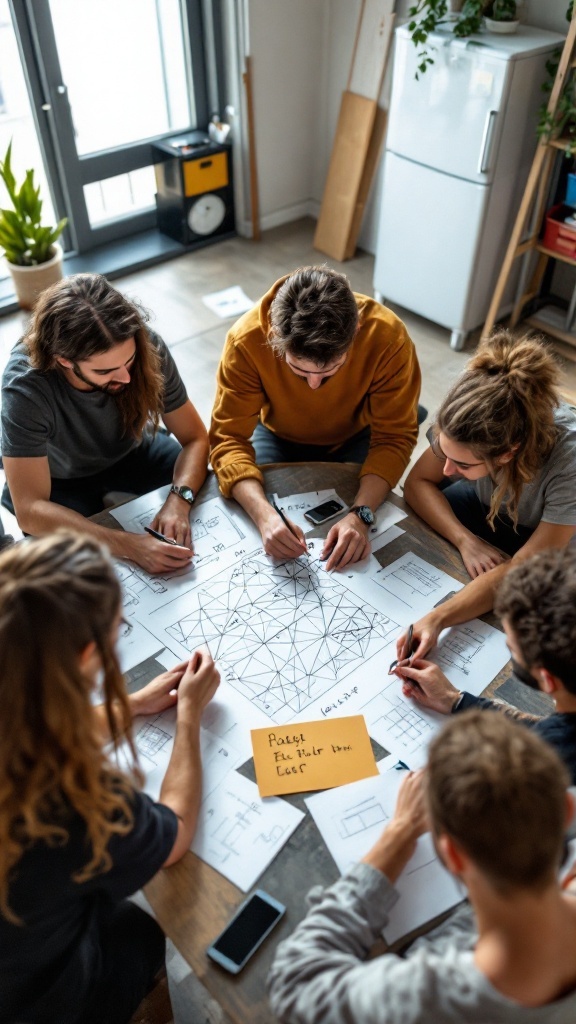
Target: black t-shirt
48,963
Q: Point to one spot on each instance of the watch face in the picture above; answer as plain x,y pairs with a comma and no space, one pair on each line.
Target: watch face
365,514
184,492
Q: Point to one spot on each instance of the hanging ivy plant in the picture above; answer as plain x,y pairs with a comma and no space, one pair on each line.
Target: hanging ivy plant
562,125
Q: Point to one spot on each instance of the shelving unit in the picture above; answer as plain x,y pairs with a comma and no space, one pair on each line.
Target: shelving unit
525,241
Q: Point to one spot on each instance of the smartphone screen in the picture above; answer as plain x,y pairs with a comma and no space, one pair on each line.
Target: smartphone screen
246,931
325,511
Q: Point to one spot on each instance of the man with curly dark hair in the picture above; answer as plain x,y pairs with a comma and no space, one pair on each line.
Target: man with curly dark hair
537,605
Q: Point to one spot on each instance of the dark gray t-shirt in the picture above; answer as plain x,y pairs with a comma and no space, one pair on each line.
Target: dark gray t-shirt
81,432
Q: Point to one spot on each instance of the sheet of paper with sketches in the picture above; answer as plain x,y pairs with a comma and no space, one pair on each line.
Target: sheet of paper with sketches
350,820
228,302
238,833
295,505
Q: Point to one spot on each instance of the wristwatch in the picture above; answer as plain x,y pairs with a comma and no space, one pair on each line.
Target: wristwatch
365,514
183,492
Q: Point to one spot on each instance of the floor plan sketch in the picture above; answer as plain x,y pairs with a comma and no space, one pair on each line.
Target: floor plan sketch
136,582
414,583
281,634
460,648
360,817
238,833
397,723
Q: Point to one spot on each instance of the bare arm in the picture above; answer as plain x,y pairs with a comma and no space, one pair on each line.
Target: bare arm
477,597
422,492
173,519
30,484
277,539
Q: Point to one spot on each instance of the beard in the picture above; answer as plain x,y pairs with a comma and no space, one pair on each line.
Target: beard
524,676
111,388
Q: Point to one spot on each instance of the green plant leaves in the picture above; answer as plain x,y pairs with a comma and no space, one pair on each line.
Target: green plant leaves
23,238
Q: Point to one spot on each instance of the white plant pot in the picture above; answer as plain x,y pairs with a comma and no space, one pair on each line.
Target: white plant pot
503,27
30,281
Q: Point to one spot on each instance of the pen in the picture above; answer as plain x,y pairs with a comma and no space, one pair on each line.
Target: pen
285,520
408,647
159,536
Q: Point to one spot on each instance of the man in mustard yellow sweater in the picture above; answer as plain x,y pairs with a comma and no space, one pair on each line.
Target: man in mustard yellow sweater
315,372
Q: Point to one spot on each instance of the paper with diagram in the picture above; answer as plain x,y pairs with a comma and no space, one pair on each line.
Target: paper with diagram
238,833
295,505
410,587
470,655
351,818
283,634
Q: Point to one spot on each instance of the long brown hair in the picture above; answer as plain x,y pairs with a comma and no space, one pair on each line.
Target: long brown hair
504,402
83,315
57,595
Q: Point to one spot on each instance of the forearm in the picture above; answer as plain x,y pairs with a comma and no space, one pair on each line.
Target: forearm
182,785
191,466
250,495
475,599
393,850
429,503
119,725
43,516
372,491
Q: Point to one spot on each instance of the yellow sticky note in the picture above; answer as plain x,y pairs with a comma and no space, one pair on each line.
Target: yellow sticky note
312,755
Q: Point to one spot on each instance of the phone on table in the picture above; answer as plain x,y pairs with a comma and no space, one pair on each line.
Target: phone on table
327,510
252,922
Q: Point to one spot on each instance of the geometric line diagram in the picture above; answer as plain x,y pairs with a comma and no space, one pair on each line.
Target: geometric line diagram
282,634
409,579
459,648
360,817
401,721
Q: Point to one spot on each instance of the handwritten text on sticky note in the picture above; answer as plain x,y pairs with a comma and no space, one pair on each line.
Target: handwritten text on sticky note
312,755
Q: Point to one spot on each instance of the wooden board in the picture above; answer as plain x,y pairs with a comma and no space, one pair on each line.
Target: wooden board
370,164
371,48
345,175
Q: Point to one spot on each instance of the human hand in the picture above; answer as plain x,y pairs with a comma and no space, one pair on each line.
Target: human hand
279,541
427,685
159,694
198,684
154,555
347,542
479,556
173,521
425,635
392,851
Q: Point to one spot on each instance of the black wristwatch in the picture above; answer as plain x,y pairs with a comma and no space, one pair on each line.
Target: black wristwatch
365,514
183,492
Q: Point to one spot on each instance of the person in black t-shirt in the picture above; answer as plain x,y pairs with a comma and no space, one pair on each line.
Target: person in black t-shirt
536,602
76,834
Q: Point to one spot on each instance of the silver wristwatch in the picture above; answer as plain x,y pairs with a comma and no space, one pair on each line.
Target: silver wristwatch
183,492
365,514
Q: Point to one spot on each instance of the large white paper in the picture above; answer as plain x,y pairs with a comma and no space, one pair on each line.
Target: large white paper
295,505
411,587
239,834
470,656
228,302
350,820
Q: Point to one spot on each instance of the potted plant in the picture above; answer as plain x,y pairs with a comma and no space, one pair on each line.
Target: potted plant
501,16
33,255
426,16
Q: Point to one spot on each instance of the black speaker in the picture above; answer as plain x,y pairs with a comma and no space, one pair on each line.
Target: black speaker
194,198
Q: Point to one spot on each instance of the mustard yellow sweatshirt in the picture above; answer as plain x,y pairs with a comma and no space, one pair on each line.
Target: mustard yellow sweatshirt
378,385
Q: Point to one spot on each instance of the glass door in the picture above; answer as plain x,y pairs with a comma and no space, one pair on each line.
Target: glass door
114,76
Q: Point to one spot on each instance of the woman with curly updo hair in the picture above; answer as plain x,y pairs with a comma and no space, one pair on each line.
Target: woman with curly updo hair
499,478
76,834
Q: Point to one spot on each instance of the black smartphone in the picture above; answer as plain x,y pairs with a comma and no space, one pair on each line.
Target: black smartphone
251,923
327,510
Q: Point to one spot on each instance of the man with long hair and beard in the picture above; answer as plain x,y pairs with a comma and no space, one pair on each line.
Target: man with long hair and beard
82,398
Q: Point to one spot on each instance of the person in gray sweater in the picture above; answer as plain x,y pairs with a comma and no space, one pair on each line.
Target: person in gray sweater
495,795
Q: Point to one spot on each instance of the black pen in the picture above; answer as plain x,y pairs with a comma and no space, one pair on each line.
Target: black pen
159,536
407,646
285,520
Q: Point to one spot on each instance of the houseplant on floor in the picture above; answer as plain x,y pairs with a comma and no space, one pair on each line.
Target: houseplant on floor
33,255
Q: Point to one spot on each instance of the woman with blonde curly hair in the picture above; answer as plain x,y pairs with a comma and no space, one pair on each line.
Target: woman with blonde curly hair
76,834
498,480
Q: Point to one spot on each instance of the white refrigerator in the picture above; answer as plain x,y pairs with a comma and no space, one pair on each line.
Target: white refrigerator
459,146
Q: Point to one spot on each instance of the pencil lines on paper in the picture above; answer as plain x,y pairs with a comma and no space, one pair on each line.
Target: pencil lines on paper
360,817
390,712
282,634
460,648
410,578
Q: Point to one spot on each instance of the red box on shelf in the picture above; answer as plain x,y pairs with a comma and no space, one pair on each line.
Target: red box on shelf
558,236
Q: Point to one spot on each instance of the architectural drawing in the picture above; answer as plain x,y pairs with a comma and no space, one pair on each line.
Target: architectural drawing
283,634
409,579
136,582
360,817
396,723
150,740
459,648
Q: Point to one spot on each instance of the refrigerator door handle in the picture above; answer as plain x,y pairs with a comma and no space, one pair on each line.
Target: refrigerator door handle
487,139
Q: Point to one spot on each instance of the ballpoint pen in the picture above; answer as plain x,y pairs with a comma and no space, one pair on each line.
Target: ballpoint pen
408,647
159,536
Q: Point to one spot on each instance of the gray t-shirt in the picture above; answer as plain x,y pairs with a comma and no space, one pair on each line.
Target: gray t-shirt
551,496
321,971
81,432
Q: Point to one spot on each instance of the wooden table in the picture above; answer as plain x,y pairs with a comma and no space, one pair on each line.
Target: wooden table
191,900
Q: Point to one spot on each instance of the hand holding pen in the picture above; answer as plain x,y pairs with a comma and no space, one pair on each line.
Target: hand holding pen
407,651
281,538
